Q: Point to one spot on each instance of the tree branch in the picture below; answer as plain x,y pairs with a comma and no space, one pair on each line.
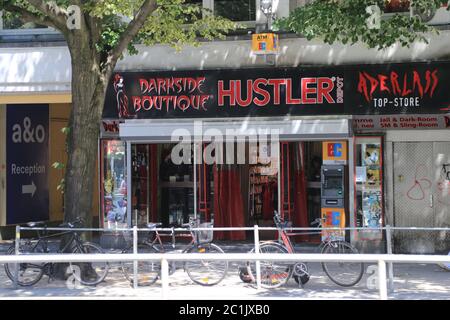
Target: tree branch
29,16
53,12
130,32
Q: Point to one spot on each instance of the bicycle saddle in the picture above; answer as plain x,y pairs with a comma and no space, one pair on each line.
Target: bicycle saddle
36,224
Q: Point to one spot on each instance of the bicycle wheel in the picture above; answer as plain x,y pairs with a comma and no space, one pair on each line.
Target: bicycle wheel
91,273
29,273
147,272
204,272
345,274
273,273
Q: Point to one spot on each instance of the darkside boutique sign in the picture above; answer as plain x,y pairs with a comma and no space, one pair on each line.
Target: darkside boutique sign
417,88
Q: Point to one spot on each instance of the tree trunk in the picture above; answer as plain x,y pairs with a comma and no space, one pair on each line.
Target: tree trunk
88,89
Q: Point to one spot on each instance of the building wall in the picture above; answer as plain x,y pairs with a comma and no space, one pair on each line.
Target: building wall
59,116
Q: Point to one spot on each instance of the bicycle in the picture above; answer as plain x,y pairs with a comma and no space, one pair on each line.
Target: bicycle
205,273
31,273
275,274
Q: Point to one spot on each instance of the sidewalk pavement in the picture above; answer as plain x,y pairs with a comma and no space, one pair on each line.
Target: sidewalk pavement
418,281
411,281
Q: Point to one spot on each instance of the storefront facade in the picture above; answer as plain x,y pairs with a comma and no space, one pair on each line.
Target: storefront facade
321,116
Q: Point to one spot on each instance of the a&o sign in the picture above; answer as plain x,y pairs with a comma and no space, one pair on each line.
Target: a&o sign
27,157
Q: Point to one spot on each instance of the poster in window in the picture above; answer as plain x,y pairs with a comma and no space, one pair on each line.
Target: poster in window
371,208
373,177
371,154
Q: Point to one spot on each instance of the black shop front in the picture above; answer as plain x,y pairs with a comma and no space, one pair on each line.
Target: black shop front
233,146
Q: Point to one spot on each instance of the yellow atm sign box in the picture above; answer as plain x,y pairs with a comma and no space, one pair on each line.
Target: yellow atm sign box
265,43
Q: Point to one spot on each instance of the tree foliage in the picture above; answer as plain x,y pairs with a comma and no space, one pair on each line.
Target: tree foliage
346,21
171,22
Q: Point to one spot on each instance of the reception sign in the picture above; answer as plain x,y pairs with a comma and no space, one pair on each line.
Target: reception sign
27,157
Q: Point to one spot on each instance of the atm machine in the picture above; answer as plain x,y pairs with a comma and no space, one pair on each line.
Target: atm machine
333,195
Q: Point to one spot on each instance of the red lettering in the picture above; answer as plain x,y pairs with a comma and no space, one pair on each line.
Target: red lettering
416,82
183,102
152,85
259,91
203,100
144,85
324,88
161,85
383,86
405,91
435,82
177,83
306,90
169,84
222,93
289,99
149,100
136,103
200,82
155,102
192,84
362,86
276,83
395,85
373,84
249,98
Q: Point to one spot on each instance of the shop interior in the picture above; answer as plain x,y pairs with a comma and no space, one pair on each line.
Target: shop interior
235,195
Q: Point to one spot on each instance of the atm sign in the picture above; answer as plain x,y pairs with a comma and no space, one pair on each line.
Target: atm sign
334,152
333,218
265,43
335,149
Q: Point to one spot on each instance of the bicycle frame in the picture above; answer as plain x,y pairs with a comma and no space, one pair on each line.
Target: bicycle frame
43,240
158,244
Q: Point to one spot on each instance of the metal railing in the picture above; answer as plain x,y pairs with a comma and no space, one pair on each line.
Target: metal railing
164,258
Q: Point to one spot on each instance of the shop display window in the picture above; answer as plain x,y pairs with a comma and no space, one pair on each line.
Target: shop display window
369,182
113,183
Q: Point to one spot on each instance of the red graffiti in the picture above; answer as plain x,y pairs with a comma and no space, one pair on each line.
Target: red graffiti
417,190
398,85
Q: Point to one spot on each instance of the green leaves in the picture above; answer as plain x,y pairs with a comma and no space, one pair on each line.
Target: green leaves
345,21
174,22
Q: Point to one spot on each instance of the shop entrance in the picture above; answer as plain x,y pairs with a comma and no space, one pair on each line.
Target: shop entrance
238,189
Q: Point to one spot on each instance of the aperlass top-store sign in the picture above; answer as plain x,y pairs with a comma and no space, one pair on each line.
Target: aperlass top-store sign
360,90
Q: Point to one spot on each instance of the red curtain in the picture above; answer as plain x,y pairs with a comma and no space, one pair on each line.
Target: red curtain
228,203
300,218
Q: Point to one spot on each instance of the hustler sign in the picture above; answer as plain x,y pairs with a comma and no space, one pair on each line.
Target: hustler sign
344,90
